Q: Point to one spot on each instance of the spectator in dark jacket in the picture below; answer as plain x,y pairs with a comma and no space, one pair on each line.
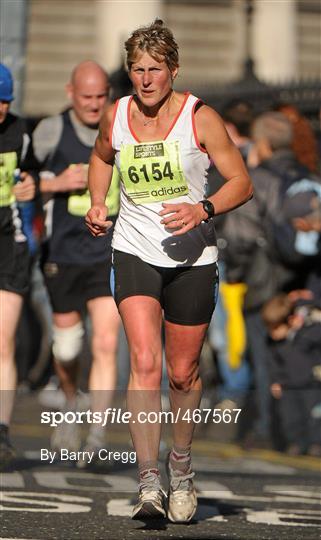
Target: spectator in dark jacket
251,255
295,369
298,233
227,329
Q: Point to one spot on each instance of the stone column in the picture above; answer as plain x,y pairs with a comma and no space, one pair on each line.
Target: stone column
116,19
13,17
274,48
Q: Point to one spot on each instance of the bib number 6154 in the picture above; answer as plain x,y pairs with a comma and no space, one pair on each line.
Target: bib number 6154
155,174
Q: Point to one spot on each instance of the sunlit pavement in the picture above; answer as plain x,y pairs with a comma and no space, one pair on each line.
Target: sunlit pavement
257,494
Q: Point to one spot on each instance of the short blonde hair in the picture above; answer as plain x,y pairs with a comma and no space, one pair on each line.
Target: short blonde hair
157,40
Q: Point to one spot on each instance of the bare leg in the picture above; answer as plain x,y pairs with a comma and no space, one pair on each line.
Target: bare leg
10,309
67,372
183,347
67,342
102,380
142,318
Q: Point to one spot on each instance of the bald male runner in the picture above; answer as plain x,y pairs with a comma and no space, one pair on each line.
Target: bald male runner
77,266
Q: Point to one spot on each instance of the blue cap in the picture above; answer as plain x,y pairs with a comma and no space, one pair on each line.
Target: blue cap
6,84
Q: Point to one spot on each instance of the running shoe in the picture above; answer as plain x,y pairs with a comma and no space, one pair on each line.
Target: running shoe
151,499
95,442
7,452
66,436
182,500
51,395
91,448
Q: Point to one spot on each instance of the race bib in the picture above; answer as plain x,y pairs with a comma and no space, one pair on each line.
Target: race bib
8,163
79,202
152,172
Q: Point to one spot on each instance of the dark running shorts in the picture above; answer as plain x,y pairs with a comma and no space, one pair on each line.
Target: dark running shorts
14,265
71,286
187,294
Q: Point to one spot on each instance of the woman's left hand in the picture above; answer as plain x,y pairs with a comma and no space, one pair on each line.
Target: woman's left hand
25,189
182,217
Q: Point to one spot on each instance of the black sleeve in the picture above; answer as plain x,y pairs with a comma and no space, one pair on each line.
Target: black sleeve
275,363
28,161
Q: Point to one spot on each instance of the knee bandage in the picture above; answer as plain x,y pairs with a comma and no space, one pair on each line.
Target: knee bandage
67,343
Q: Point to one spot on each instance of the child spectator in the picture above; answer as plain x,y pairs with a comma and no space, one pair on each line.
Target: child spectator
294,327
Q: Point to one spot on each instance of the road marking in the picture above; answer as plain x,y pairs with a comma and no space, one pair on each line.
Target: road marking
208,494
104,483
112,483
12,480
22,501
312,492
288,518
119,507
215,490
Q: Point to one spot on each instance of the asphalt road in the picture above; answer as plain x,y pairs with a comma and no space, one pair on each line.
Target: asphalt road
251,495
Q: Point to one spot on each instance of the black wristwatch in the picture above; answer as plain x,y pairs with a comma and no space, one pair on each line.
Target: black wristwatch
209,209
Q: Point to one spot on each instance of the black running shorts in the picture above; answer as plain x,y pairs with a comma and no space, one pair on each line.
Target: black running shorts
71,286
187,294
14,265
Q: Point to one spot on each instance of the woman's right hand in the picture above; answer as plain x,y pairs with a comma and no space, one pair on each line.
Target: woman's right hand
96,220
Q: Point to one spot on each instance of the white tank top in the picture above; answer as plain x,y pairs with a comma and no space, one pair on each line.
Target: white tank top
172,170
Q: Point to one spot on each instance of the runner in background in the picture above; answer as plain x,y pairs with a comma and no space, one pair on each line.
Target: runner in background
164,248
76,266
16,189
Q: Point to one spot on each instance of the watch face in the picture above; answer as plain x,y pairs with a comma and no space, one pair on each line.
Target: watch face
209,208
